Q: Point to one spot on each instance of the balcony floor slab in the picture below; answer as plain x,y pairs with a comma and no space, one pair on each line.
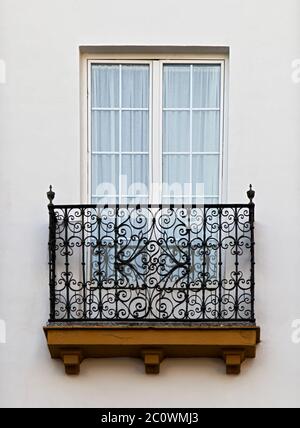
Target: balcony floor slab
73,343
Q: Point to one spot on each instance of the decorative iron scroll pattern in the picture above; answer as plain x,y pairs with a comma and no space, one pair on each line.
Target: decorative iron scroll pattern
151,263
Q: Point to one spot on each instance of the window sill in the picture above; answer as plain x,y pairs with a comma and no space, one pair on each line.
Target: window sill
73,343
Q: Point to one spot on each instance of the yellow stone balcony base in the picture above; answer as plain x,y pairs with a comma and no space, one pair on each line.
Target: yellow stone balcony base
73,343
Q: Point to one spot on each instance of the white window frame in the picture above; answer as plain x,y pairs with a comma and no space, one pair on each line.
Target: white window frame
156,63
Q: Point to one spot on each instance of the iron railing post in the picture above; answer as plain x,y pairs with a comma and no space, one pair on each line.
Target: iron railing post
251,195
51,250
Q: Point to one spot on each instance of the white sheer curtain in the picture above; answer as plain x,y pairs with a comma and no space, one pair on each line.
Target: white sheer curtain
191,130
120,132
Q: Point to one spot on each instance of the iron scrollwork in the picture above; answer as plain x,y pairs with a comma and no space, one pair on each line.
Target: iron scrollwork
151,263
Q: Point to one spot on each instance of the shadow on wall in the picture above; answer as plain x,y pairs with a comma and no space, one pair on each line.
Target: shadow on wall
93,366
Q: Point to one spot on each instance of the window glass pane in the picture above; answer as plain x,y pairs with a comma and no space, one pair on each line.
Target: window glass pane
176,86
119,130
135,168
176,174
105,131
204,80
128,131
105,85
206,131
135,86
211,200
105,200
135,131
105,174
200,200
136,200
176,131
179,200
206,86
205,171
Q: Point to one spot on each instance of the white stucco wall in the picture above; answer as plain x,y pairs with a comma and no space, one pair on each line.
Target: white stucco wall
40,144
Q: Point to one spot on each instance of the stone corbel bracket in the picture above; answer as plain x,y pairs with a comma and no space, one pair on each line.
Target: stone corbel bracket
73,343
72,361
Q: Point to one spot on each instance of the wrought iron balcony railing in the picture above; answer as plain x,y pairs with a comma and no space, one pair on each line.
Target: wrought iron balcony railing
192,263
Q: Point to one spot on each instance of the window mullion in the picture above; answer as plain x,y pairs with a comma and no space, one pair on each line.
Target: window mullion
120,135
191,129
156,143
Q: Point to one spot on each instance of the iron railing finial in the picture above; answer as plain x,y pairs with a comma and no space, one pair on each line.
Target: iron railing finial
251,194
50,195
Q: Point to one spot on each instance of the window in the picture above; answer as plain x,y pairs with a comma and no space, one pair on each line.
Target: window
155,131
